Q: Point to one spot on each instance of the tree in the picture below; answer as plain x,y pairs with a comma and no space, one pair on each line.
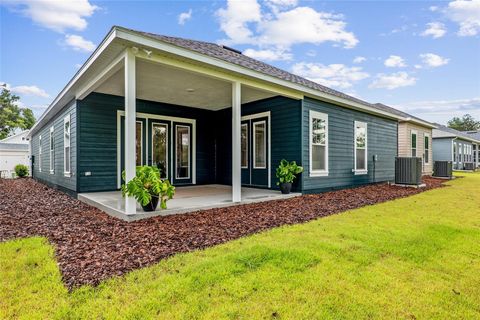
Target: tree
466,123
11,115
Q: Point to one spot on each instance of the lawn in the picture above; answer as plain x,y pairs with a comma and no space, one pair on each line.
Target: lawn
412,258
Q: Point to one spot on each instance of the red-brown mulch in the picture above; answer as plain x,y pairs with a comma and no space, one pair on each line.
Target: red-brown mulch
92,246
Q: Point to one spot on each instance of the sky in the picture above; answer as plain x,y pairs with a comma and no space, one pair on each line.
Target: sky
422,57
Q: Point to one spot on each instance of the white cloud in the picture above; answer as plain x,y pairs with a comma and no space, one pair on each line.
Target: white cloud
78,43
466,14
433,8
28,91
445,107
268,55
333,75
432,60
359,59
282,27
56,15
435,30
184,17
394,62
392,81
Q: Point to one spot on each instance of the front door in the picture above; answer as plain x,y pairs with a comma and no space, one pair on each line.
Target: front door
255,151
182,153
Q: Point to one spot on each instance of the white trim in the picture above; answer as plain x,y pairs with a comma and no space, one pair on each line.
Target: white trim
166,147
130,82
148,116
248,144
357,171
427,153
267,115
414,132
66,120
254,124
51,149
40,149
189,152
317,115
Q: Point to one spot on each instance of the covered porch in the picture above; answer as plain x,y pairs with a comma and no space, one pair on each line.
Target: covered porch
179,131
187,199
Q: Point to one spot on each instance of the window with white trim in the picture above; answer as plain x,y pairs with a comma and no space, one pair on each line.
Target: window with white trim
455,152
426,146
361,158
244,145
52,150
413,136
460,152
318,140
66,145
464,153
40,153
260,145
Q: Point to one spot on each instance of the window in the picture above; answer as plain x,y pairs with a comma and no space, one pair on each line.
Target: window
459,152
139,143
318,143
464,153
183,152
244,145
52,150
361,160
475,153
414,143
454,151
40,153
160,147
66,145
259,145
426,146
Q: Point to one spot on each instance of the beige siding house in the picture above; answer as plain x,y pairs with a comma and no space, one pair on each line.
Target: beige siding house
414,138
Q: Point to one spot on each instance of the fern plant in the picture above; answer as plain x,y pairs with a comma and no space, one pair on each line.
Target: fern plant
147,184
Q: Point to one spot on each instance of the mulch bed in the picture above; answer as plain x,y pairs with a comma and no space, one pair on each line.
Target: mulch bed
92,246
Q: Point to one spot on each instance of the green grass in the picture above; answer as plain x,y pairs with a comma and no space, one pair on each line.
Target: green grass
417,257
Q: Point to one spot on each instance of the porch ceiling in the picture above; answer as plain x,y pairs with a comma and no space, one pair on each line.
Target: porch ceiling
161,83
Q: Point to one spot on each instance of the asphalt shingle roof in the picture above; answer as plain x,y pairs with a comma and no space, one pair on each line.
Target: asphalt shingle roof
217,51
453,132
399,113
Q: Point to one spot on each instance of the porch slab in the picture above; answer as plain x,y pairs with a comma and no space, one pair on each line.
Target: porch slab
187,199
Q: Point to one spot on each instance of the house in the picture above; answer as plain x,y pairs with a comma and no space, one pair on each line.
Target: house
456,146
206,115
414,138
475,134
14,150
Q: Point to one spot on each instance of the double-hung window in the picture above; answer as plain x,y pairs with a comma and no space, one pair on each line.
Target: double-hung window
464,153
426,147
361,159
318,140
66,145
455,152
52,150
40,153
413,136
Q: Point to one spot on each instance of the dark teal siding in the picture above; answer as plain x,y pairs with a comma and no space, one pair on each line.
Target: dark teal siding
58,178
382,141
98,136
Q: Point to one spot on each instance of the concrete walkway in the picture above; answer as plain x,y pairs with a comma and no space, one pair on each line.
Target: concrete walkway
187,199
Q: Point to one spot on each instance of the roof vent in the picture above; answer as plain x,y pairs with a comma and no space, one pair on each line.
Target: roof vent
231,49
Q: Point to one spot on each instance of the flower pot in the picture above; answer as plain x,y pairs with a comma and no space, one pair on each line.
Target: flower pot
285,187
152,205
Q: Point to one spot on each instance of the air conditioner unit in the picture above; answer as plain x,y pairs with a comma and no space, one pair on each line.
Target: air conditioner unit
408,170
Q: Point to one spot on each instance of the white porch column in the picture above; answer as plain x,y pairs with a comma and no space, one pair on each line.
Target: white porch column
236,132
130,112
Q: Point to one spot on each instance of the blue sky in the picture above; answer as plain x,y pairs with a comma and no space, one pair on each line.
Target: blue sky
419,56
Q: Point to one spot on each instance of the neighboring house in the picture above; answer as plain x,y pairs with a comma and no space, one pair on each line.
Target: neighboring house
456,146
14,150
414,138
205,114
476,147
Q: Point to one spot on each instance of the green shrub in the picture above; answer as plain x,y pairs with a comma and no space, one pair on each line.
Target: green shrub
147,183
21,170
287,171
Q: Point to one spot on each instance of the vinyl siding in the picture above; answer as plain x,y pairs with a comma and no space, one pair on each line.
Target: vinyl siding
381,140
405,142
58,178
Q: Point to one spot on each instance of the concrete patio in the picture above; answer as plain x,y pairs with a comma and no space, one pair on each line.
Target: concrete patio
187,199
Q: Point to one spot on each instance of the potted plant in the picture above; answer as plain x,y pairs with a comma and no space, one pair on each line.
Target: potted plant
148,188
286,173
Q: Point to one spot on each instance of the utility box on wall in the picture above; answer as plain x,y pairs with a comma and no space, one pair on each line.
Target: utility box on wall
408,170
